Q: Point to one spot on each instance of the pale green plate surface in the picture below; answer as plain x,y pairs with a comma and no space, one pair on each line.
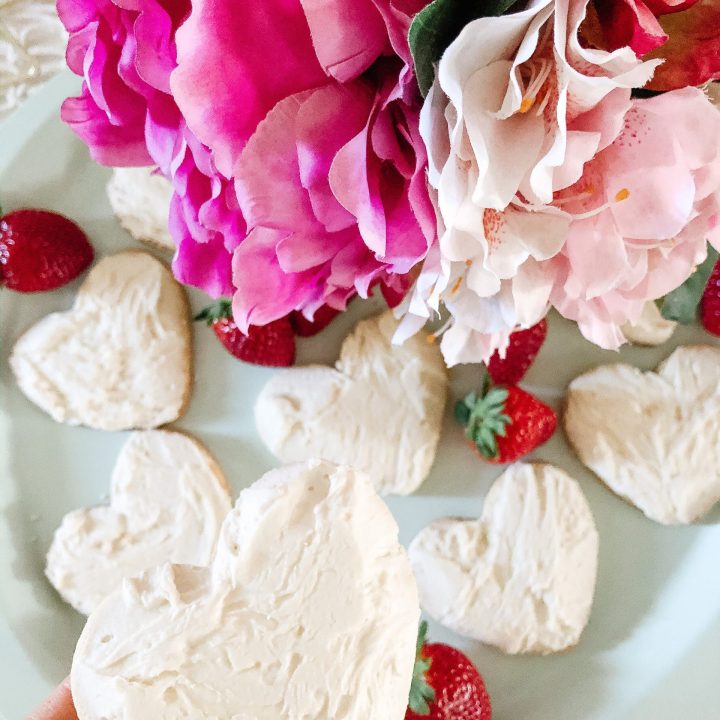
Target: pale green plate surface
652,649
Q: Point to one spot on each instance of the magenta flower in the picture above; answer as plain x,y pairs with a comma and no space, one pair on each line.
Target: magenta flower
271,203
332,185
329,167
125,52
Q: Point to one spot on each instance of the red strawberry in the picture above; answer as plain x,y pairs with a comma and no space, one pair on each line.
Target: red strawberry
710,303
524,347
307,328
272,344
41,250
446,685
503,424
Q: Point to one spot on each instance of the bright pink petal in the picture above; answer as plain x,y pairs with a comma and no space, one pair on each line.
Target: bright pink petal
629,23
267,178
348,35
109,144
262,297
235,64
327,120
665,7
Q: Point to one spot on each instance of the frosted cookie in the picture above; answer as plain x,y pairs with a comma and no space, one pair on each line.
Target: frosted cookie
168,499
379,409
652,437
120,358
309,610
651,328
522,577
140,199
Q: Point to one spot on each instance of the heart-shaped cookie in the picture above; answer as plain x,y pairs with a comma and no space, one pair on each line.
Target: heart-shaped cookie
120,358
309,610
652,437
522,577
379,410
140,199
168,501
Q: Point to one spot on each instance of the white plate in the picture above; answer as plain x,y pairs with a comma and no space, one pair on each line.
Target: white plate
652,649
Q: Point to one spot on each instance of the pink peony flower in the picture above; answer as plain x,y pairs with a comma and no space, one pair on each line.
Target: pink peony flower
333,188
192,91
329,175
125,52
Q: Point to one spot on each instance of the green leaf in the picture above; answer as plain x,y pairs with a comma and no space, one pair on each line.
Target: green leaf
421,638
438,24
211,314
682,304
462,412
484,417
421,693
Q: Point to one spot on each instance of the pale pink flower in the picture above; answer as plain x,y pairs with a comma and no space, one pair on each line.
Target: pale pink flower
642,214
517,110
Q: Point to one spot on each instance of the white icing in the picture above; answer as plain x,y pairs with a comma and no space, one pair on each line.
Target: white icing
120,358
32,49
379,410
651,328
522,577
140,199
168,501
653,437
309,611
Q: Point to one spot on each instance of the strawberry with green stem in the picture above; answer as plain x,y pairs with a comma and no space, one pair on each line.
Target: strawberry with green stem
445,684
504,423
272,345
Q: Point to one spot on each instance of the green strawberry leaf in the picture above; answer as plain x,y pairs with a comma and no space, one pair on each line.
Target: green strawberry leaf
421,694
484,417
462,412
211,314
683,303
438,24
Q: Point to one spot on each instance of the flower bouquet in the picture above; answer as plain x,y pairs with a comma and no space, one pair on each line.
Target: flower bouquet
481,161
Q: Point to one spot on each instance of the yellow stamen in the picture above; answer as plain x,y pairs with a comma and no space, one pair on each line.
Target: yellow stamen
430,339
456,286
527,104
469,263
623,194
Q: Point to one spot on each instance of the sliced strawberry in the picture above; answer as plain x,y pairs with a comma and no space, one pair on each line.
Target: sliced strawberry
446,685
522,351
272,345
307,328
710,303
41,250
503,424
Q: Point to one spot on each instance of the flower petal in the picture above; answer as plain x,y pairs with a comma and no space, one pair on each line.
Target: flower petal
692,53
